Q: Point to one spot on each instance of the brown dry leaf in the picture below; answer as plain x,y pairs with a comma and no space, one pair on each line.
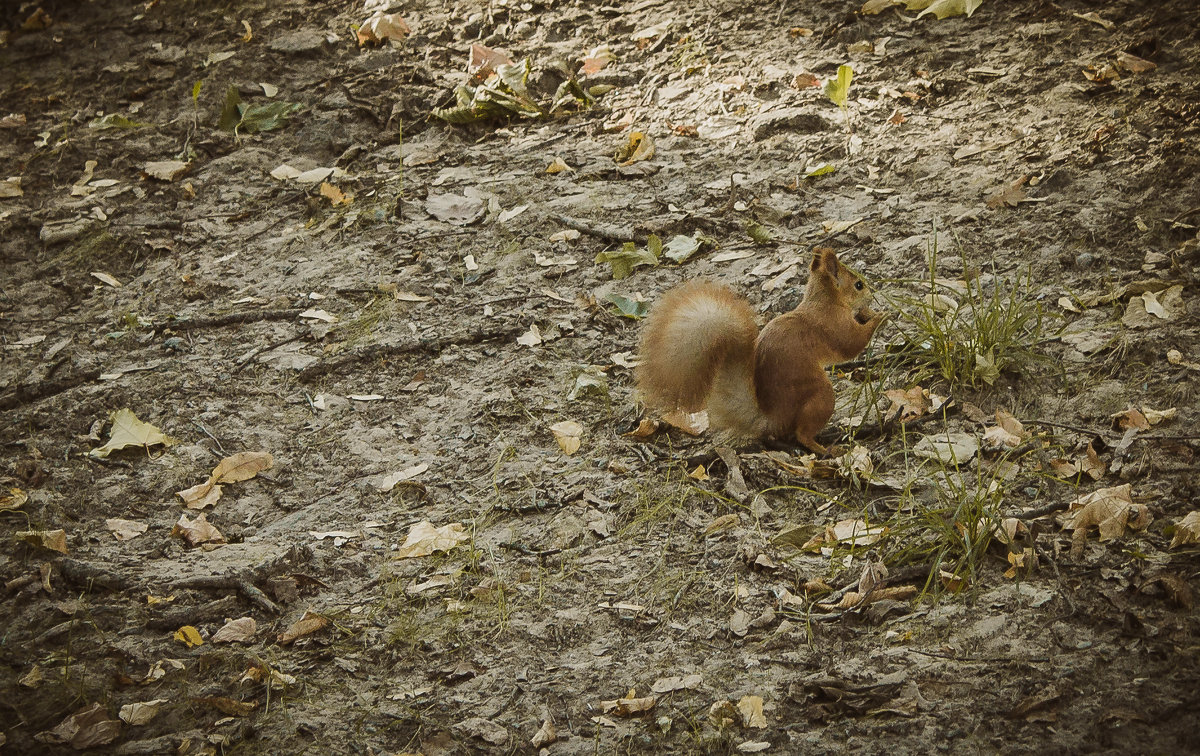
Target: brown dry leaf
558,165
1018,562
382,27
805,81
875,7
242,466
1187,530
1130,418
850,532
1153,308
951,582
125,530
639,147
1091,465
189,636
197,531
691,423
1007,433
751,709
1009,529
306,625
596,59
86,728
166,170
567,434
1112,510
233,469
55,540
37,21
387,482
800,31
128,431
14,499
646,428
103,277
236,631
1134,64
629,705
1101,74
424,539
907,405
335,195
801,466
140,713
229,706
670,684
724,522
1154,417
484,60
1094,17
545,735
699,474
1009,195
897,118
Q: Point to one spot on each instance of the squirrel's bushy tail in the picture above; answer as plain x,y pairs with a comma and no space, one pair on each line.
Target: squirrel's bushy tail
698,334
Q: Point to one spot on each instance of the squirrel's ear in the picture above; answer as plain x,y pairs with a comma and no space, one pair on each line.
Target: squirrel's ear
825,257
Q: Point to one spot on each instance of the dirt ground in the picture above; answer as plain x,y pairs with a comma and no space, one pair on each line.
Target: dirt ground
408,321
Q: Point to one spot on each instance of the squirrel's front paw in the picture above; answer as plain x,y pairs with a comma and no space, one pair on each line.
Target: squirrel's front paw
866,316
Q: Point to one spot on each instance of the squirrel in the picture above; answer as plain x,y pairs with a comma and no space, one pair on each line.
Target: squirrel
701,348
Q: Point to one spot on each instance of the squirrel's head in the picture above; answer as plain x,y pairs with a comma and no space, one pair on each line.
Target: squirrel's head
833,282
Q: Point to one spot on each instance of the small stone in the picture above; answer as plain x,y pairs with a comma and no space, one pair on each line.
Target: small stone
300,42
1085,260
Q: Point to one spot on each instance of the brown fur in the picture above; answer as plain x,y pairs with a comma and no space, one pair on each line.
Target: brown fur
701,347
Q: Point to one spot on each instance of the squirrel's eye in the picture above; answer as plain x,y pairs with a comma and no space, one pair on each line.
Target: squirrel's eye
858,285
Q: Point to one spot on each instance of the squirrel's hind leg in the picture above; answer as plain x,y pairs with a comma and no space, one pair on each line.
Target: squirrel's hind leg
813,415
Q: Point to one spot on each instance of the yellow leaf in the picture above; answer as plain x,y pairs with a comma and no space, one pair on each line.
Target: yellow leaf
127,431
189,636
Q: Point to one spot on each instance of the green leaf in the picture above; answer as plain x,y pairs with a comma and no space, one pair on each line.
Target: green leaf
196,91
654,246
266,117
625,259
231,114
820,170
759,233
629,308
839,89
681,248
115,121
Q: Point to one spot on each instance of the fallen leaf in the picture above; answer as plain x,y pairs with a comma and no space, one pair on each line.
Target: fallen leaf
14,499
1187,530
567,434
646,428
166,170
197,531
852,532
382,27
1095,18
838,89
125,530
640,146
532,337
140,713
55,540
189,636
128,431
1134,64
691,423
545,735
386,483
335,195
944,8
424,539
629,705
669,684
907,404
948,448
1111,510
1008,433
1009,195
11,187
236,631
86,728
106,278
308,624
724,522
751,709
558,166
